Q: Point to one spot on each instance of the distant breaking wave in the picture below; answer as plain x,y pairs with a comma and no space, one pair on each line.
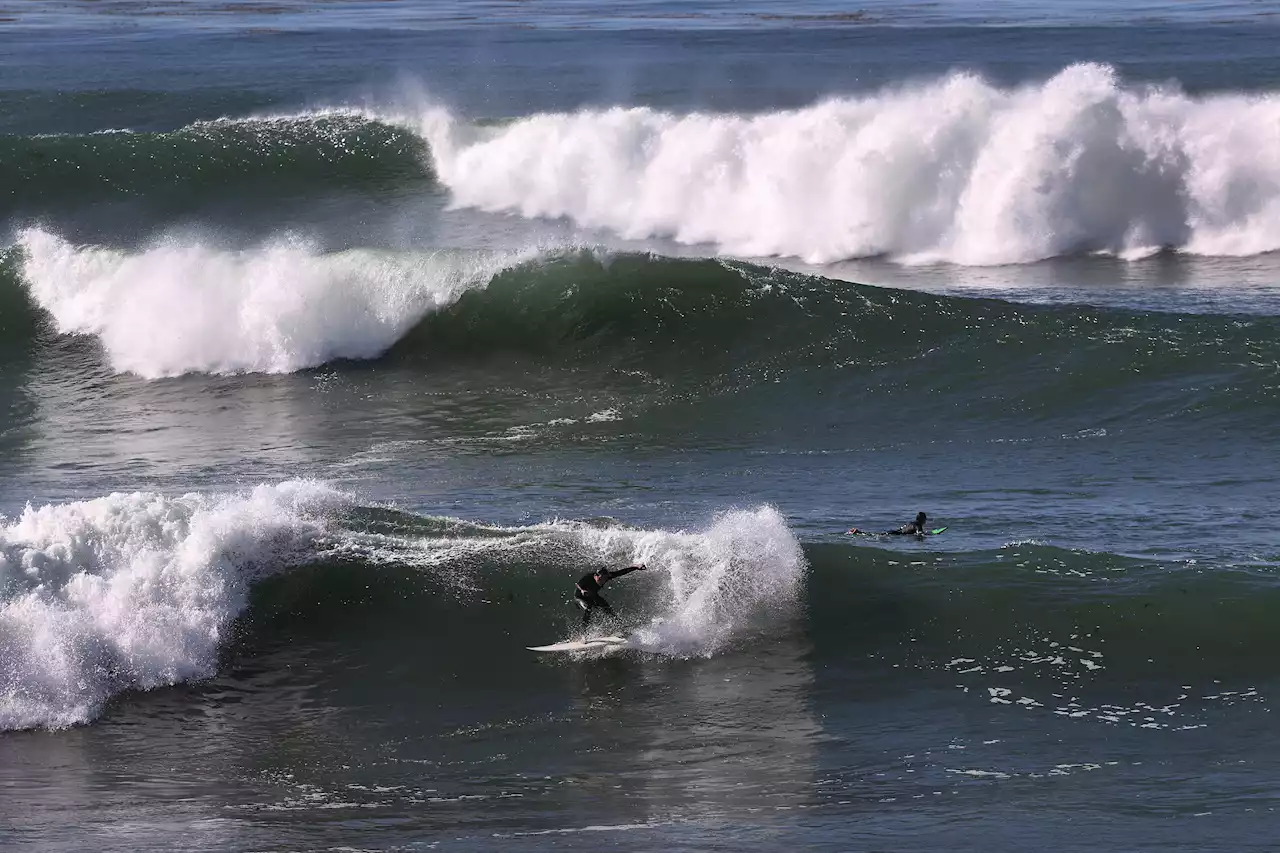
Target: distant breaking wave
712,325
954,170
183,307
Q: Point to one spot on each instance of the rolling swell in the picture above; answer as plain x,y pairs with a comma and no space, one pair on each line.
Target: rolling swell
1095,636
736,325
1087,635
1155,618
286,307
243,158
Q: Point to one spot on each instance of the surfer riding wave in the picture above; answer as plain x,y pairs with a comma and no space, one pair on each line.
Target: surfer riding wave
588,595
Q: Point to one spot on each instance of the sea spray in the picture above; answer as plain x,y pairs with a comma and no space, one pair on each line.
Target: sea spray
715,585
135,591
956,169
184,307
138,591
705,588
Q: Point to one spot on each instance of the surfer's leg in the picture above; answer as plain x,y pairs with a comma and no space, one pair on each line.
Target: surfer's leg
589,604
604,605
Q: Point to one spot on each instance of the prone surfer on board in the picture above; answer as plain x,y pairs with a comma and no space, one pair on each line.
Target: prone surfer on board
588,592
911,528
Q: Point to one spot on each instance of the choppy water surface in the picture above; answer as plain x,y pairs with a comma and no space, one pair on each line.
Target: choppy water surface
337,340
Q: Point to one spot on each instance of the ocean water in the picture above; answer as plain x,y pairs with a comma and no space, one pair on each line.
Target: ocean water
338,339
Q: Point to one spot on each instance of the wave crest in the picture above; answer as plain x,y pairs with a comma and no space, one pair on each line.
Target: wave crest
955,170
134,591
138,591
186,308
257,157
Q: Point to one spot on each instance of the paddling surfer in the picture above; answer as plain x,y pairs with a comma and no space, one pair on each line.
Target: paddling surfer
911,528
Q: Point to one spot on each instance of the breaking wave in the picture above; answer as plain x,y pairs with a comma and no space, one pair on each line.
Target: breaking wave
138,591
183,307
957,170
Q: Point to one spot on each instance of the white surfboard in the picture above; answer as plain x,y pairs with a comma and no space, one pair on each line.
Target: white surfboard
592,644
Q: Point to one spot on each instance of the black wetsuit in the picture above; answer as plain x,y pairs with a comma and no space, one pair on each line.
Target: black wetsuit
908,529
588,592
589,598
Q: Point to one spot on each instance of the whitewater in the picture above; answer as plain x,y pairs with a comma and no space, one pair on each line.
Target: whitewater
183,306
137,591
955,169
337,340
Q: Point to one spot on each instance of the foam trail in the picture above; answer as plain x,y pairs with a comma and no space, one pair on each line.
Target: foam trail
135,591
956,170
717,583
186,308
706,588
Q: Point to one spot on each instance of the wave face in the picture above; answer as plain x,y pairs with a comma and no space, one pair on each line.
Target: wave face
255,157
955,170
718,324
136,591
1093,636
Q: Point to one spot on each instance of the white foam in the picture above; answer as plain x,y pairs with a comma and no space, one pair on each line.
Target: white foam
183,307
704,588
956,170
134,591
714,584
137,591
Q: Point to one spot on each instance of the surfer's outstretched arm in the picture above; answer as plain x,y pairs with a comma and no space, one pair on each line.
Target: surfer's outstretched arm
628,570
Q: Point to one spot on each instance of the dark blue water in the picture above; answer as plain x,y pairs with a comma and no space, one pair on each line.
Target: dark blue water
337,340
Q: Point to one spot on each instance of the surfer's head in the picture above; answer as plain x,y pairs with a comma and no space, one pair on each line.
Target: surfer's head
602,574
920,517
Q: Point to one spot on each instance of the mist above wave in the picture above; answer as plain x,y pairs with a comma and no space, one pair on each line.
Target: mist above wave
956,169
